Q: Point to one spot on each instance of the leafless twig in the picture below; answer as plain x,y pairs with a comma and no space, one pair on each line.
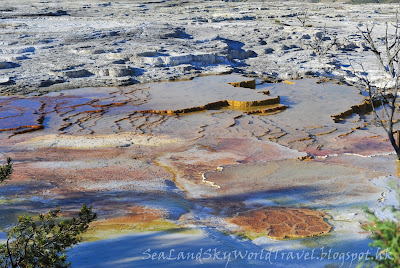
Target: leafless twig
302,17
380,97
392,48
320,45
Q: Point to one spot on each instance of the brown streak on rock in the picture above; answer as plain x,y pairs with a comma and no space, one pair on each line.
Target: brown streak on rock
218,105
246,84
268,111
325,133
361,108
345,134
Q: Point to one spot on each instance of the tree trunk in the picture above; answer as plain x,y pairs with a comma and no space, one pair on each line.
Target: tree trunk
394,144
391,69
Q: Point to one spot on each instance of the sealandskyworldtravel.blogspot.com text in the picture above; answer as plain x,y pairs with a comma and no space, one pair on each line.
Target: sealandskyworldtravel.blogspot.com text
205,255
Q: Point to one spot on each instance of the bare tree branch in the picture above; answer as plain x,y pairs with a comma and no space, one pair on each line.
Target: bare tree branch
318,44
302,17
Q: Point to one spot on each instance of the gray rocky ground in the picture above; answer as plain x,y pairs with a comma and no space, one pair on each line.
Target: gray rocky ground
173,165
53,45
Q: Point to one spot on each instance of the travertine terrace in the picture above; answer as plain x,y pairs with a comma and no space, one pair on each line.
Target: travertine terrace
53,45
147,162
239,154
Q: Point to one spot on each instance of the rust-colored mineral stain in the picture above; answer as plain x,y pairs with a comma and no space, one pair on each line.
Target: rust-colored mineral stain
26,122
137,214
246,84
270,110
281,223
362,108
138,219
82,108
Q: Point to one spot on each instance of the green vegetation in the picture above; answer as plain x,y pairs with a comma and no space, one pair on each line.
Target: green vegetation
6,170
41,242
386,238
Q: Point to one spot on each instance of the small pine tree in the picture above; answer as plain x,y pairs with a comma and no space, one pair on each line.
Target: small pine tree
41,243
386,237
6,170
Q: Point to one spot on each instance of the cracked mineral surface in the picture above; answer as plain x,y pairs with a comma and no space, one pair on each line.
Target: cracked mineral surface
210,163
188,157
